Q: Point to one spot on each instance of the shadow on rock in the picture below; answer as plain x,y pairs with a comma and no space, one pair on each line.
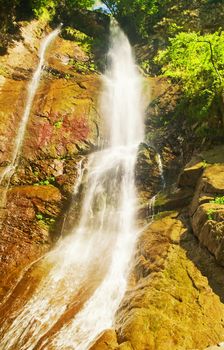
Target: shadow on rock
205,262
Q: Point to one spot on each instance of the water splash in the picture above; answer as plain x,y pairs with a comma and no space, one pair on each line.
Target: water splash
31,91
76,299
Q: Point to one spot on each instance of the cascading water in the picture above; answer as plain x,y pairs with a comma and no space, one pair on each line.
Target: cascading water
76,190
160,166
151,205
31,91
85,277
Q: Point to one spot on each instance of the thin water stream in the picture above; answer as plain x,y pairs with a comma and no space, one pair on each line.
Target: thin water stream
160,166
72,294
152,201
9,170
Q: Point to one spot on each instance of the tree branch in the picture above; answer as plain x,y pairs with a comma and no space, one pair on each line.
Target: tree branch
212,58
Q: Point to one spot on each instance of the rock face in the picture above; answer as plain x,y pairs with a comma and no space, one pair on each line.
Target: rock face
27,228
175,296
63,128
169,290
92,23
207,210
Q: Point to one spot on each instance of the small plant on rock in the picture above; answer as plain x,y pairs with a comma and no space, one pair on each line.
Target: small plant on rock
50,180
46,220
210,213
58,124
218,200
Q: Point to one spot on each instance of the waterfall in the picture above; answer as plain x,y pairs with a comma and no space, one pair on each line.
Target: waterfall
86,278
31,91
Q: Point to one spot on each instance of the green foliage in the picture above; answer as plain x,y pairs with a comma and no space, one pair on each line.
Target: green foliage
210,213
83,66
80,3
39,216
204,164
45,220
4,71
83,40
145,65
44,9
218,200
196,61
50,180
58,124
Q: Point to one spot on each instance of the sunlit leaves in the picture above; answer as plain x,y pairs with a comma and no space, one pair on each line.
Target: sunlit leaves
47,8
197,61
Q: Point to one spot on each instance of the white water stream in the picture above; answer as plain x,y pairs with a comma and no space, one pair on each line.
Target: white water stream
31,91
160,166
88,270
151,205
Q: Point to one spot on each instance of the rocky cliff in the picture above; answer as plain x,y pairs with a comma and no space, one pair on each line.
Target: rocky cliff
63,128
175,298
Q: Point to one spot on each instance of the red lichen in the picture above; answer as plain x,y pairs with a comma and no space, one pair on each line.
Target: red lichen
45,132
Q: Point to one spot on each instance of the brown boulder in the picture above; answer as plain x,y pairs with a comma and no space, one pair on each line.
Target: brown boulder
214,179
191,173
